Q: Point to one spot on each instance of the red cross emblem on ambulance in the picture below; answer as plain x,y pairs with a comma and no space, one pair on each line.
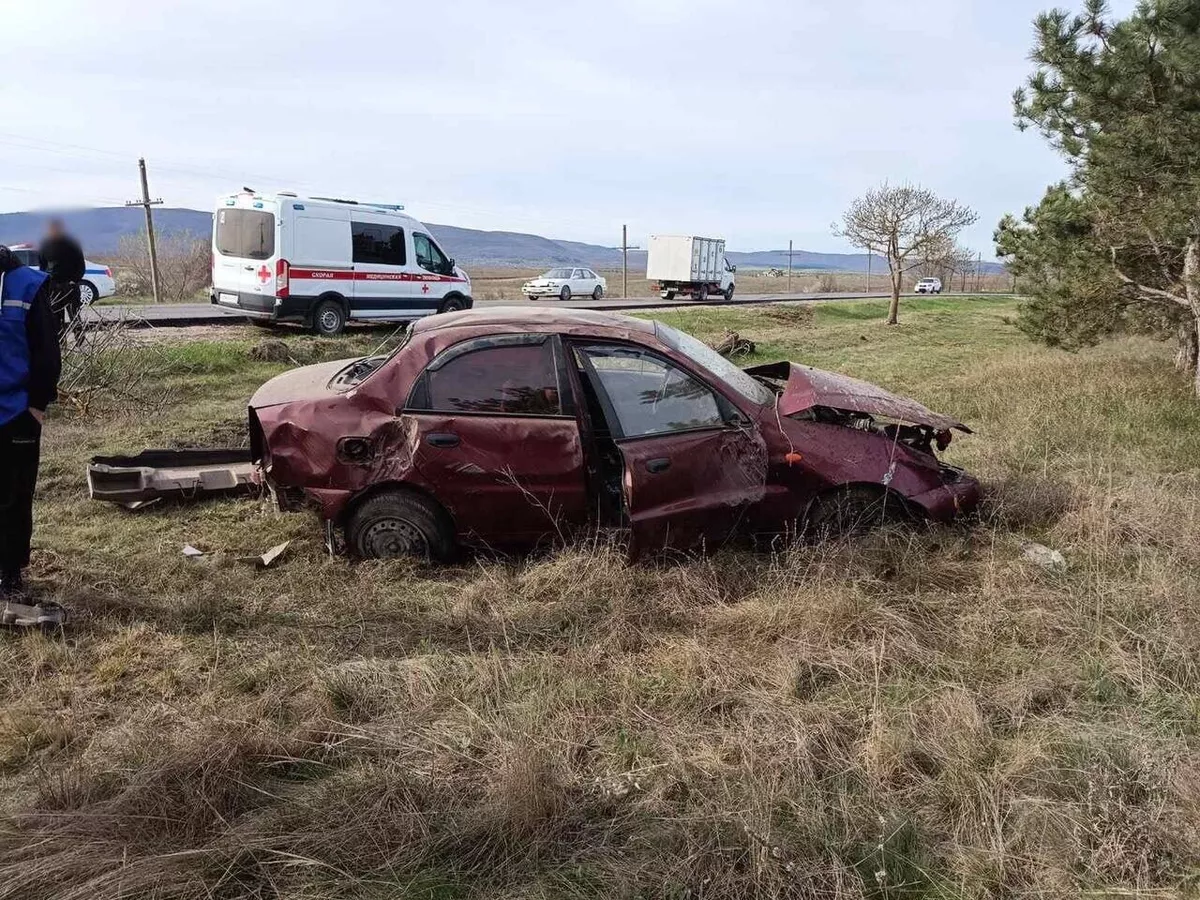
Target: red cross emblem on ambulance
263,274
424,289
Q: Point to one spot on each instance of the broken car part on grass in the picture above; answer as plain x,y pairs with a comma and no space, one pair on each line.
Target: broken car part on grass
507,427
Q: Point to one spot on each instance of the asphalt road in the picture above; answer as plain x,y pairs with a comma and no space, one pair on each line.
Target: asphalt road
169,315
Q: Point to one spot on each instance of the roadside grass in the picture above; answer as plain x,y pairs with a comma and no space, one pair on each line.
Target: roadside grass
914,714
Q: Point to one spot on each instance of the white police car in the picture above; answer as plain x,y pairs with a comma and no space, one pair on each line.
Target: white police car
97,279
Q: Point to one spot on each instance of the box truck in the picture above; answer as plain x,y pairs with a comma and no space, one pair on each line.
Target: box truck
695,266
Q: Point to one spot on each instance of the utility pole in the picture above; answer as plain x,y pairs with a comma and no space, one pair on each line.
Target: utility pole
145,203
870,257
625,248
979,274
789,266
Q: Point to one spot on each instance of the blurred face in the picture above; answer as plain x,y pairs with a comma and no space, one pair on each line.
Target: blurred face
54,228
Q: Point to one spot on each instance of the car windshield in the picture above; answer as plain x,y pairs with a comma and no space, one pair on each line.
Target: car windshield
361,369
558,273
712,361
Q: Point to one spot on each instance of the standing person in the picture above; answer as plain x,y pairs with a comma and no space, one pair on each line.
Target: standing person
61,258
30,364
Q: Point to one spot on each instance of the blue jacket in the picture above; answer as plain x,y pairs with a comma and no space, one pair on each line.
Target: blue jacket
18,292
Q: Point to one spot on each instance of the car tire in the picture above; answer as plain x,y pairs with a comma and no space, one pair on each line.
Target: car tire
87,293
565,294
598,294
850,511
452,304
702,294
533,296
729,294
329,318
400,524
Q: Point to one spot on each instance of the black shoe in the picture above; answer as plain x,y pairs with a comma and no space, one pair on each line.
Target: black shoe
12,587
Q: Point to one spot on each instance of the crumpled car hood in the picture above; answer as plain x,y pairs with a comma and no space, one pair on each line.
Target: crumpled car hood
305,383
806,387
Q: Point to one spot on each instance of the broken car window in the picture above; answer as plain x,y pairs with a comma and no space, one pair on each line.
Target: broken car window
650,396
712,361
520,380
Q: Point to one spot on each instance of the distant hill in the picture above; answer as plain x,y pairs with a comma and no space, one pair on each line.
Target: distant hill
101,229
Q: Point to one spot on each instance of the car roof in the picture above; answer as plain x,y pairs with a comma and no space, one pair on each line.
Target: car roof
533,318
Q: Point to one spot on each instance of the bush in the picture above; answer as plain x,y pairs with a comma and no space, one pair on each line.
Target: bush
184,266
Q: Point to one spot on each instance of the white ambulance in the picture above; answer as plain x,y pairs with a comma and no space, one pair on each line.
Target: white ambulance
322,262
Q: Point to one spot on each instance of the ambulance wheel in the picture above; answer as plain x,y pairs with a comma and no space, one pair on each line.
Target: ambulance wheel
597,293
565,294
329,318
452,304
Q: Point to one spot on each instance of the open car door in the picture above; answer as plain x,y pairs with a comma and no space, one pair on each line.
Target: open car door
692,465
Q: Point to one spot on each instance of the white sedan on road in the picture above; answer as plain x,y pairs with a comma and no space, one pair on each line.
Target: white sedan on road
566,283
97,279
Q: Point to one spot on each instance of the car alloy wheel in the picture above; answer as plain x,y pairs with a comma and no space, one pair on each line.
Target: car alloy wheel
87,293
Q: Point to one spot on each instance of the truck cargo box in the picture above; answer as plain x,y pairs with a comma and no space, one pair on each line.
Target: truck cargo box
685,259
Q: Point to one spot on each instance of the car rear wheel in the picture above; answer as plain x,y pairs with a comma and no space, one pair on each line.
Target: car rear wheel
329,318
400,524
565,294
598,293
87,293
852,510
533,297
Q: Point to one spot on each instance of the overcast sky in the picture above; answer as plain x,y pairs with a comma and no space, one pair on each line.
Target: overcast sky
758,120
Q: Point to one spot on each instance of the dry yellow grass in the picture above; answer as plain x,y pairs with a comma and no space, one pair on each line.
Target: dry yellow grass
910,715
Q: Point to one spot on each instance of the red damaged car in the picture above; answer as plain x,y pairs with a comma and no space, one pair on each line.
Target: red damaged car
507,427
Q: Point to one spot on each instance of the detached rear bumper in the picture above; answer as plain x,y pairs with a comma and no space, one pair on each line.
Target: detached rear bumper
153,474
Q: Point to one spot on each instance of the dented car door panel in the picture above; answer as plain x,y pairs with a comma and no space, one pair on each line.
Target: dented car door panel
504,480
691,489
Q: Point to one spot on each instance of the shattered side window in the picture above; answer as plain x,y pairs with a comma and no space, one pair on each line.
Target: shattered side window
518,380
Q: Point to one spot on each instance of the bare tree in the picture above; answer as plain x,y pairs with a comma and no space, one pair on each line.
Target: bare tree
944,259
184,262
905,222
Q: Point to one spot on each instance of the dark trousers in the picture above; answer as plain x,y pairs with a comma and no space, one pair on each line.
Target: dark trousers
66,303
20,449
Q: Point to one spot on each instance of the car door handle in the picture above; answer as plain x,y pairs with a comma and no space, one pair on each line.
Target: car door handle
655,466
443,440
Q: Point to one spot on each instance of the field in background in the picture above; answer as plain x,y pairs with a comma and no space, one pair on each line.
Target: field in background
915,714
505,284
